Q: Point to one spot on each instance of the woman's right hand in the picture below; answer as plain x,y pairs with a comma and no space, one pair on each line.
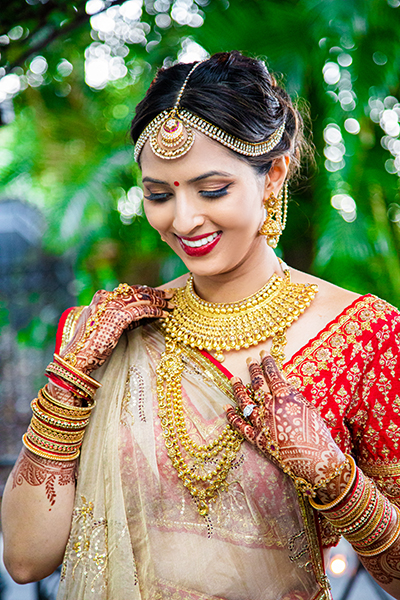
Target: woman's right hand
101,324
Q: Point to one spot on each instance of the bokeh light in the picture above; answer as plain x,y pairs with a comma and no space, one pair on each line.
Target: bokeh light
338,564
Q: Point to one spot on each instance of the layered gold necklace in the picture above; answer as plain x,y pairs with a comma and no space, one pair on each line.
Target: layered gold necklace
196,323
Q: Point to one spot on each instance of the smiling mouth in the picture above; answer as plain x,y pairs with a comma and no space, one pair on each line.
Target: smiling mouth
199,243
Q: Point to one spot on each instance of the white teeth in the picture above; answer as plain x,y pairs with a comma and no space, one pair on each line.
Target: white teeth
202,242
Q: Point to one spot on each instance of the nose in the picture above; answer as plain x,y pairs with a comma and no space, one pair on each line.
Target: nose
187,215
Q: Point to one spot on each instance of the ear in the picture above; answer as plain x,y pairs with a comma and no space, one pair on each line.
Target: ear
275,179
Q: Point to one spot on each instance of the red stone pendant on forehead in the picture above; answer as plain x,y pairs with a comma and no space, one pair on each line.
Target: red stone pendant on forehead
176,183
173,138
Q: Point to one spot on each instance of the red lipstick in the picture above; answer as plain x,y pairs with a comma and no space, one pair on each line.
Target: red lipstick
199,250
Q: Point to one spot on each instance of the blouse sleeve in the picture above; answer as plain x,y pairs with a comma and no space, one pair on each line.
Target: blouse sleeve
374,421
66,326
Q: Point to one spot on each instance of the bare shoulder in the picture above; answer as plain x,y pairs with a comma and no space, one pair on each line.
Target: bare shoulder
175,283
328,304
331,299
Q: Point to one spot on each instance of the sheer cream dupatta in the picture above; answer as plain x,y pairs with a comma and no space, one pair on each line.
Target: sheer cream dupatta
136,533
99,561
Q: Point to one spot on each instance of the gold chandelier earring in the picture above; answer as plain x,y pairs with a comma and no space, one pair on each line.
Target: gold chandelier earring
275,222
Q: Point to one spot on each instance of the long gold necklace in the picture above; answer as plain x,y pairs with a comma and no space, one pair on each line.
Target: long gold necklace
220,327
210,462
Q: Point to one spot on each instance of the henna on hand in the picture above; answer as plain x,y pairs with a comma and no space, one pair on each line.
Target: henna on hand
38,471
384,567
126,311
281,419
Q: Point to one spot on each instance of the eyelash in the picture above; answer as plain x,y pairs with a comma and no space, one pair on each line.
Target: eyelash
206,194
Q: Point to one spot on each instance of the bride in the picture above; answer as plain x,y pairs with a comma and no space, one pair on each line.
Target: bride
251,419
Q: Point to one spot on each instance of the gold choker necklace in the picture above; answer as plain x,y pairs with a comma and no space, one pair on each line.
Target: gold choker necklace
223,327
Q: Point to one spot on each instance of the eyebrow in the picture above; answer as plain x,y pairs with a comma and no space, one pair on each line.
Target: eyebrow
209,174
193,180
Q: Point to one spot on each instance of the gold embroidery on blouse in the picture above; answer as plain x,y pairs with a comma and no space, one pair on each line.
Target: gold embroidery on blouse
69,326
380,468
325,353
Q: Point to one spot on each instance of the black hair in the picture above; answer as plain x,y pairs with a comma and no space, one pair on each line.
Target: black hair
235,92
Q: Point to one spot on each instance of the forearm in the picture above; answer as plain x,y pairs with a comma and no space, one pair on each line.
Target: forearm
370,522
385,569
39,495
36,515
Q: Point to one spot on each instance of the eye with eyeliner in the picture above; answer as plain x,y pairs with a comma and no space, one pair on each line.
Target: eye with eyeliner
157,197
208,194
216,193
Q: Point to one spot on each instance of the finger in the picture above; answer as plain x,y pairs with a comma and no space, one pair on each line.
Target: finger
256,375
238,423
150,311
99,296
166,294
137,314
245,403
150,299
274,378
146,317
240,392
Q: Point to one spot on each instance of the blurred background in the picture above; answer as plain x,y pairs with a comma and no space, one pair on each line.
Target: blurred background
71,216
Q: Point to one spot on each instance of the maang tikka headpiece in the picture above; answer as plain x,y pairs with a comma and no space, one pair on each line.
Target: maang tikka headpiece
171,133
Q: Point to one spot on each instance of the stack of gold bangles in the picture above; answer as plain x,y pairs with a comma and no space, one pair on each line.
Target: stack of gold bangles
56,429
363,515
68,377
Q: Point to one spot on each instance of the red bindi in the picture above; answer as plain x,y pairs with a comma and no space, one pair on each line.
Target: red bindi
176,183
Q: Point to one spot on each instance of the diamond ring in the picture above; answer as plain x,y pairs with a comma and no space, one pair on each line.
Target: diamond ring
248,410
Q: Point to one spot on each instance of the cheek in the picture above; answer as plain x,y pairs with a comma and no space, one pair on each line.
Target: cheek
157,215
243,217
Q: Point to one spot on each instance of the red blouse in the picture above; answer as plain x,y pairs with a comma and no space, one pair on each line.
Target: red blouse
351,372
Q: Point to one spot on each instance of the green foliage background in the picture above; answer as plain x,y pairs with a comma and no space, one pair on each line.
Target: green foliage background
68,152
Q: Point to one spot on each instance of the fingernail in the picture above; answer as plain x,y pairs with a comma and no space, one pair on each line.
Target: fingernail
170,305
263,354
235,380
227,407
249,360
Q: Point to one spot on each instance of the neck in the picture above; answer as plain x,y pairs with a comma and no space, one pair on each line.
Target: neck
245,280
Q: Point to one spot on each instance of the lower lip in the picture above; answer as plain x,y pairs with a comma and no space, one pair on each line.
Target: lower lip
201,250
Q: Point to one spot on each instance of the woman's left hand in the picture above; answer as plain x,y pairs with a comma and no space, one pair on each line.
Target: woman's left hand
277,419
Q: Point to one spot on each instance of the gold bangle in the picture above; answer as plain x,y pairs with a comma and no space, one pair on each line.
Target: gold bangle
48,455
380,531
356,511
78,411
79,385
387,544
71,414
51,445
46,417
54,434
365,530
92,382
338,500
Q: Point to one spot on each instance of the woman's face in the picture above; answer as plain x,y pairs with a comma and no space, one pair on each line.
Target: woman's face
207,206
